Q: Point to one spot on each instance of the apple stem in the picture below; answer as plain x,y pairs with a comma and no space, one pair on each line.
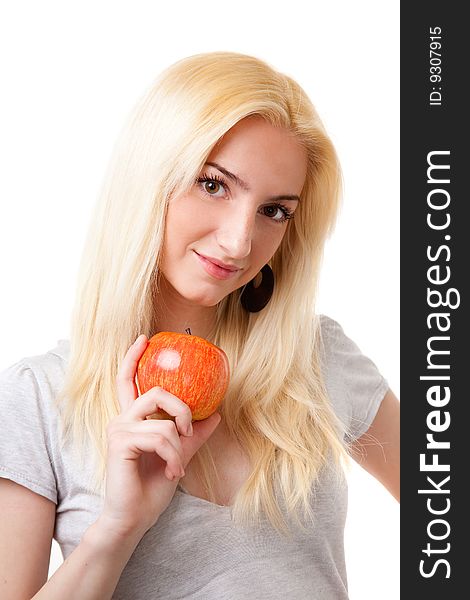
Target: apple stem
188,331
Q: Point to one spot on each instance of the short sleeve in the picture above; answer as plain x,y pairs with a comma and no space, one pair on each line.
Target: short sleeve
25,444
354,384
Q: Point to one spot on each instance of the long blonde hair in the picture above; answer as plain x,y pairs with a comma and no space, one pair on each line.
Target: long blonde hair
279,411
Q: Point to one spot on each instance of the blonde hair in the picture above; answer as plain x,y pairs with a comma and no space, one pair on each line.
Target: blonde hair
279,411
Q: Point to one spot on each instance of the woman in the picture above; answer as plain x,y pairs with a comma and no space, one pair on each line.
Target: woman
220,195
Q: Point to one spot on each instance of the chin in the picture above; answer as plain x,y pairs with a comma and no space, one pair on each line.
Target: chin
205,300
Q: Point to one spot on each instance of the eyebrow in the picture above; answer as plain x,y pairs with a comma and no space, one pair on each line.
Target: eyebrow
246,187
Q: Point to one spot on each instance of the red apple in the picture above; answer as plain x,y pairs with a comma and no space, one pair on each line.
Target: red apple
189,367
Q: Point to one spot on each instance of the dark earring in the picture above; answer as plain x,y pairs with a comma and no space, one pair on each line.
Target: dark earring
253,298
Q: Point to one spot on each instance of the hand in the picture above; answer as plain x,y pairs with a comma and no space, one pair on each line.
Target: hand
146,457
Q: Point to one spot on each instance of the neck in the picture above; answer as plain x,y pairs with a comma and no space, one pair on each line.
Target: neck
175,313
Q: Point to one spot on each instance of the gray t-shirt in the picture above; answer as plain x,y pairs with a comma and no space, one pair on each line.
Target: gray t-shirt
195,550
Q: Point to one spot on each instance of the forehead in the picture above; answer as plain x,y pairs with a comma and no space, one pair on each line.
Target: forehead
254,148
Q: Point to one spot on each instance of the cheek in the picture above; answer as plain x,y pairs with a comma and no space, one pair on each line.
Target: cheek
268,240
184,222
263,248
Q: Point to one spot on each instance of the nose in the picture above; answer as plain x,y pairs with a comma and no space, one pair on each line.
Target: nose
235,234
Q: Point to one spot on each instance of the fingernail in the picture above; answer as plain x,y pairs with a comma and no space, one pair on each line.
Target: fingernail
182,473
189,430
138,340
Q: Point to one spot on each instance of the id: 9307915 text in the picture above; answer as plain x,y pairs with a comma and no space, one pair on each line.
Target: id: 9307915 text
435,66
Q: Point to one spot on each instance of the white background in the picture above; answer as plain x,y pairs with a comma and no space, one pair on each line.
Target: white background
71,73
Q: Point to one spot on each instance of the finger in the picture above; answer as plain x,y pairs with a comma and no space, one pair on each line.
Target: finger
202,432
157,397
165,427
125,380
140,443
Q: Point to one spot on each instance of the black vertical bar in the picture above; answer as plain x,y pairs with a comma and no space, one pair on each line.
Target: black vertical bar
435,255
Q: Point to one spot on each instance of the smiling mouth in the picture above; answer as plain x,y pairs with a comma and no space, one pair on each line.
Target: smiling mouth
214,269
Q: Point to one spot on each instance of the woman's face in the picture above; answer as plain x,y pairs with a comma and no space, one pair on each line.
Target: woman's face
235,214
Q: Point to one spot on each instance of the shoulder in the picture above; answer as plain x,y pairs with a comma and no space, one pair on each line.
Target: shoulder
338,349
353,381
43,369
329,330
334,345
28,389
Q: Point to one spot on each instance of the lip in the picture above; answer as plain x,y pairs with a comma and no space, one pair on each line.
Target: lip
216,268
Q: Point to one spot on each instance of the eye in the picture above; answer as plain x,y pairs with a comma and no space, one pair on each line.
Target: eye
278,213
213,185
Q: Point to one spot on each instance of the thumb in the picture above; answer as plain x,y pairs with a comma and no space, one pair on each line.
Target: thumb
202,430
